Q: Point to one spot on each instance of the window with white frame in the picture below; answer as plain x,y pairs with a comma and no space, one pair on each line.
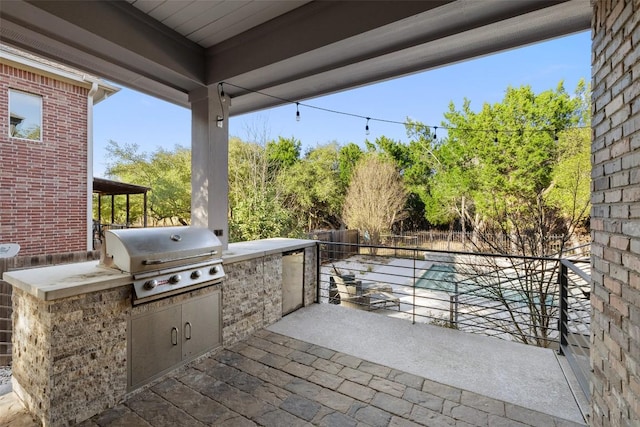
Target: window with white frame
25,115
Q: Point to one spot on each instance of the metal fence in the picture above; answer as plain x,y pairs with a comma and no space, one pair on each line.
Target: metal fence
459,241
510,297
575,318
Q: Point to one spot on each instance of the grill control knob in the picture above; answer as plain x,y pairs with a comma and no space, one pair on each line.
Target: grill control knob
196,274
175,279
150,284
213,270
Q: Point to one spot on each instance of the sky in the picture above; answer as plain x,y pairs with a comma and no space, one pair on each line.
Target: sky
135,118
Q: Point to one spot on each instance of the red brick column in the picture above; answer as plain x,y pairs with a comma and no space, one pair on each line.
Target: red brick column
615,215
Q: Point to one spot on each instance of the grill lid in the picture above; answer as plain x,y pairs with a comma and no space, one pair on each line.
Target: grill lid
138,250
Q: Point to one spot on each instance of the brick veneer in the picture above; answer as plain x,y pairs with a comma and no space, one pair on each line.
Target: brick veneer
43,184
615,216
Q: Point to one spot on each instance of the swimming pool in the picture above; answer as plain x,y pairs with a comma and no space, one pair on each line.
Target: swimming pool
438,277
493,285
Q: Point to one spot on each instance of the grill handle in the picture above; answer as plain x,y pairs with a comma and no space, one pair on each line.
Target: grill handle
167,260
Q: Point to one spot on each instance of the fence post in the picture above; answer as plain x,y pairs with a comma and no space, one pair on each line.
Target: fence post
318,281
413,304
564,297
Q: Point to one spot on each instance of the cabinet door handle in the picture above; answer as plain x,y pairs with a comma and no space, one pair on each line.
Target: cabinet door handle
187,336
174,336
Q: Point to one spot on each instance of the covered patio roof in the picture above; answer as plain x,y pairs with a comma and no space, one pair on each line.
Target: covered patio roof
292,50
106,187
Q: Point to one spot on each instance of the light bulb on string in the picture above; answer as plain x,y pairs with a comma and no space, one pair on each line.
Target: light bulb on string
510,132
222,96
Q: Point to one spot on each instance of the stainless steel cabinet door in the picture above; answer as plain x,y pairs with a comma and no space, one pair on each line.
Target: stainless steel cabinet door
292,281
155,343
201,325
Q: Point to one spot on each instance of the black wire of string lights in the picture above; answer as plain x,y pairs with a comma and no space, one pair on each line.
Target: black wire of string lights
299,104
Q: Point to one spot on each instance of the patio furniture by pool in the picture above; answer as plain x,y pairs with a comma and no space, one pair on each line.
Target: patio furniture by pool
367,295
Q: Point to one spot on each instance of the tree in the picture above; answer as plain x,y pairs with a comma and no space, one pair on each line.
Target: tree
375,198
348,157
167,173
256,208
415,162
313,190
497,166
512,170
283,153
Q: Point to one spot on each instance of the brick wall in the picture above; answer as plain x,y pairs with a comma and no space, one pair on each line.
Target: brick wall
43,184
615,216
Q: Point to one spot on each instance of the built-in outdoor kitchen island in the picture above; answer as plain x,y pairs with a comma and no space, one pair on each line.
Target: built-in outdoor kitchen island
82,344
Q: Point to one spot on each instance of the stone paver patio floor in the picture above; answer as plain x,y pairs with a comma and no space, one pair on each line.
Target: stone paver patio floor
274,380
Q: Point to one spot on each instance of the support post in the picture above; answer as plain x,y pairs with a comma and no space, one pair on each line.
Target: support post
210,161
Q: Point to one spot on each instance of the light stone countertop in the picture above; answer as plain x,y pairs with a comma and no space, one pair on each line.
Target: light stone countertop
66,280
242,251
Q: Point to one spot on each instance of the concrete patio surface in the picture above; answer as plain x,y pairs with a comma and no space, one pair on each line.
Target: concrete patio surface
326,365
520,374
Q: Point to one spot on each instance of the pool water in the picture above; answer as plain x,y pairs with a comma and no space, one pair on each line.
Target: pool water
444,277
438,277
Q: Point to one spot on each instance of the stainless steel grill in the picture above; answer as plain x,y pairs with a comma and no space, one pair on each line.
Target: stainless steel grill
164,261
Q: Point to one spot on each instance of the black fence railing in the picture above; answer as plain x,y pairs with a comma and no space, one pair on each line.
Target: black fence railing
510,297
575,318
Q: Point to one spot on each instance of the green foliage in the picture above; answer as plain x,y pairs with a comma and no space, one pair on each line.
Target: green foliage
348,157
255,202
167,173
415,162
283,153
570,193
32,132
313,189
498,167
259,216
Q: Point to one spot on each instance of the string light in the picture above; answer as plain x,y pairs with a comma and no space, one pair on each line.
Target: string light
221,98
328,110
555,135
435,133
221,92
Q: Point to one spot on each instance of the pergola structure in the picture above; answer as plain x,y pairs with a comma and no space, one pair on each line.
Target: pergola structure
104,187
181,52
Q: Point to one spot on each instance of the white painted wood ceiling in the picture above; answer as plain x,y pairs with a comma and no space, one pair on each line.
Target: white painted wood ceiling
209,22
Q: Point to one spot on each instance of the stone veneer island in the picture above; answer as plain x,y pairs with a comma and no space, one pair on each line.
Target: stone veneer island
72,338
